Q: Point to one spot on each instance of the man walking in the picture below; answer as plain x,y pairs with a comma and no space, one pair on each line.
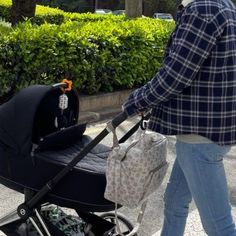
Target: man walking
193,96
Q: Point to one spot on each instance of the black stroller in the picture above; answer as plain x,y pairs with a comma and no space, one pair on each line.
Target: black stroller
45,156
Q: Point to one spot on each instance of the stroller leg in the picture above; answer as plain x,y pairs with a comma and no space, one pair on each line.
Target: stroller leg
9,223
36,226
42,222
11,217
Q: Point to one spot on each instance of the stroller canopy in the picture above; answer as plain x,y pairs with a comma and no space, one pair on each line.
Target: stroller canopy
35,106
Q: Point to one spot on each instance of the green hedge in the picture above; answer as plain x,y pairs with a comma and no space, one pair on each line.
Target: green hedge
97,56
98,52
5,28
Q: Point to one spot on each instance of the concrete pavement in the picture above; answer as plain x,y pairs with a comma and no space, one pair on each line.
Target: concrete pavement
194,225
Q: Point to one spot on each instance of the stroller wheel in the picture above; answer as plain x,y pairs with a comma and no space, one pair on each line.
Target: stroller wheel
125,225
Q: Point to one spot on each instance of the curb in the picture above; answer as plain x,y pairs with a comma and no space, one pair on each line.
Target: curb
99,115
95,108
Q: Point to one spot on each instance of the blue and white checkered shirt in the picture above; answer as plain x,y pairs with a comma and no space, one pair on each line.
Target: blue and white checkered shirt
195,90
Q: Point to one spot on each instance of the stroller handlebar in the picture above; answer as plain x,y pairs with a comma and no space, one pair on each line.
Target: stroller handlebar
117,120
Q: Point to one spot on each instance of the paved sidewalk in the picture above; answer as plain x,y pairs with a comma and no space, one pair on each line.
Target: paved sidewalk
194,226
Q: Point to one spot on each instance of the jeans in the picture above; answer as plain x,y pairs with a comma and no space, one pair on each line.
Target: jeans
198,173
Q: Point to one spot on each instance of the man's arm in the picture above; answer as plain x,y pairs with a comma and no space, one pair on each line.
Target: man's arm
193,41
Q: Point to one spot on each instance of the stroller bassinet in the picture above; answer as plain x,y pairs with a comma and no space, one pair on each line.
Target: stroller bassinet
30,117
45,155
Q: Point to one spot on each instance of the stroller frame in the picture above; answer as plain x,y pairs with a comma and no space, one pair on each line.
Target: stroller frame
29,209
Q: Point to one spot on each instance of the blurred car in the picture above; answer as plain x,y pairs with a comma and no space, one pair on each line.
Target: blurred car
163,16
118,12
103,11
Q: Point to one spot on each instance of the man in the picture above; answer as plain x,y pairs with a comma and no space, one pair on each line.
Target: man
193,96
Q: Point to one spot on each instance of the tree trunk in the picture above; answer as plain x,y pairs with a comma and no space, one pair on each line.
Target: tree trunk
22,9
133,8
149,7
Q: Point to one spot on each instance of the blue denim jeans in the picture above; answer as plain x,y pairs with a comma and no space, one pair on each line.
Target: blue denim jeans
198,173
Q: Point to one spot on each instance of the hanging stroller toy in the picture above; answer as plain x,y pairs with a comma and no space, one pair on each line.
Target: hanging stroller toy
45,155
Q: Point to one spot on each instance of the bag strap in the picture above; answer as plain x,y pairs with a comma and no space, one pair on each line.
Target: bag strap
138,221
115,138
144,204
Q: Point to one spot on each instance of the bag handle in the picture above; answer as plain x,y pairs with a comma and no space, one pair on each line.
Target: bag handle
143,123
143,126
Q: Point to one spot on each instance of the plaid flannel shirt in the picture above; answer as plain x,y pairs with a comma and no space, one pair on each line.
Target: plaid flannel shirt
194,92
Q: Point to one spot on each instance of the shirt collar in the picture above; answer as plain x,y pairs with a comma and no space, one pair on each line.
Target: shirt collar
186,2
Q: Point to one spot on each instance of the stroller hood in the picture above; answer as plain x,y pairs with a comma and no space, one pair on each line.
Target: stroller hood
17,117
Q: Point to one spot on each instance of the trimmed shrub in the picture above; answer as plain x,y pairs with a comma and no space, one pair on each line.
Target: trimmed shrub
5,27
5,6
97,56
98,52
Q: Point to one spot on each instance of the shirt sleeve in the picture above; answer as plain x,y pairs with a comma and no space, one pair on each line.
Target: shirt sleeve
194,38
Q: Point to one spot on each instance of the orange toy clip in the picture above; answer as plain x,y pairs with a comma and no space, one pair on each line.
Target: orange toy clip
69,84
